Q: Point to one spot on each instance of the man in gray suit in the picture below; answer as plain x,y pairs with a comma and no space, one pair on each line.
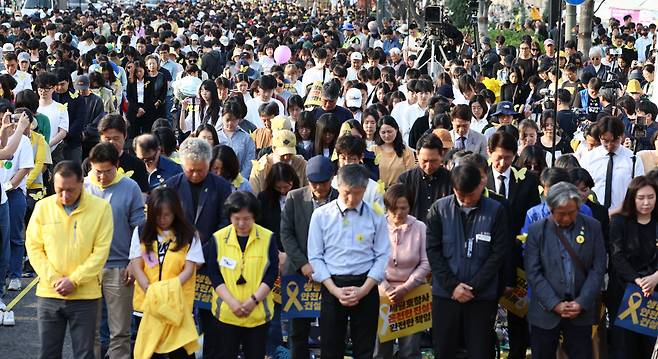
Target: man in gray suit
295,220
565,262
462,136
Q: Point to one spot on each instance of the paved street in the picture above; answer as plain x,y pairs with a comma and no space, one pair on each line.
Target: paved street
21,341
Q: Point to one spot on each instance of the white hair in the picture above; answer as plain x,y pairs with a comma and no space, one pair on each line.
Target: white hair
195,149
595,51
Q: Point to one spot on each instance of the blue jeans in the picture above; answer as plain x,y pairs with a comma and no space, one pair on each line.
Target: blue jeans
5,247
17,207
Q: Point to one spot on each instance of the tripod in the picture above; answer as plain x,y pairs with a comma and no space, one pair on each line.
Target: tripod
434,67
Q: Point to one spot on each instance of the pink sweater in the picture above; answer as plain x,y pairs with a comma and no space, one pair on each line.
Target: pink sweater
407,264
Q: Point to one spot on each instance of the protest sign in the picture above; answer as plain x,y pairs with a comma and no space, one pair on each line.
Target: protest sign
409,316
301,298
517,301
637,312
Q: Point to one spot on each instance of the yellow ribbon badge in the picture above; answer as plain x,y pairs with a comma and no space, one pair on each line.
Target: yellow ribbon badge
292,289
360,237
519,175
580,239
634,303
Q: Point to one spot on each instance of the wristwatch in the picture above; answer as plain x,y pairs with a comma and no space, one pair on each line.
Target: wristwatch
253,297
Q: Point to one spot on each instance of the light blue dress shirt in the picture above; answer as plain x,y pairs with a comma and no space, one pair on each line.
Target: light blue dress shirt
244,148
344,241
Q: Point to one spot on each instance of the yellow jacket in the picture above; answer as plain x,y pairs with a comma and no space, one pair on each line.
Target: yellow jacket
263,166
252,265
41,155
74,246
173,265
167,324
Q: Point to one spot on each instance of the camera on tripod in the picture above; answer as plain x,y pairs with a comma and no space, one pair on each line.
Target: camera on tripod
434,20
640,128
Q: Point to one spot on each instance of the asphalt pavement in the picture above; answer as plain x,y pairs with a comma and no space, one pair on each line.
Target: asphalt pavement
22,340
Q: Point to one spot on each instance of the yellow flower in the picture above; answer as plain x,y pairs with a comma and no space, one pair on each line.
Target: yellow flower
493,85
580,239
123,172
377,158
238,181
381,187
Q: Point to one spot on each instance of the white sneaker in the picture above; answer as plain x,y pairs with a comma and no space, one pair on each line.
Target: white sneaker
14,284
2,306
8,319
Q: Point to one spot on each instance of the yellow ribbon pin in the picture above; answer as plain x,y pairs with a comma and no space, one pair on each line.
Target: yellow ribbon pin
360,237
292,289
634,303
580,239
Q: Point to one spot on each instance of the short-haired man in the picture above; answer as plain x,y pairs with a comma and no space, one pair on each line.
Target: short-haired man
351,150
521,191
55,111
68,242
424,90
159,167
563,301
330,95
265,95
319,72
23,79
295,221
467,241
112,129
125,199
348,249
611,165
462,136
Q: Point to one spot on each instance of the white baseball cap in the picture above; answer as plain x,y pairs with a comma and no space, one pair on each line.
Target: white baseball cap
356,56
353,98
8,47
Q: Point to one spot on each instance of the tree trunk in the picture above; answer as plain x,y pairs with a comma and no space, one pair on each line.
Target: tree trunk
570,22
483,18
585,28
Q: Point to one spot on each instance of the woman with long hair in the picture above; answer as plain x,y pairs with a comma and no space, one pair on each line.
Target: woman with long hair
159,83
166,247
305,131
326,134
243,263
480,109
515,91
225,164
391,154
532,158
562,144
208,133
634,257
369,123
242,84
207,109
140,100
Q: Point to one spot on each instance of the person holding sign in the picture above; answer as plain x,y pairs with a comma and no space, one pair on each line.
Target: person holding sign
634,258
295,221
243,262
407,266
348,249
565,262
467,241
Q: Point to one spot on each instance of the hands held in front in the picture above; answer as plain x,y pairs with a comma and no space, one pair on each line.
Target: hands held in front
648,284
242,309
396,295
349,296
568,310
64,286
462,293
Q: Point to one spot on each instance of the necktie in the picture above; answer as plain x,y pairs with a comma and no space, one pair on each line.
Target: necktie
502,191
462,143
608,181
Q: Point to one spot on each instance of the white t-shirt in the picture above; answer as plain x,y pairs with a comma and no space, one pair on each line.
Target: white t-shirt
195,254
314,74
22,158
252,110
59,118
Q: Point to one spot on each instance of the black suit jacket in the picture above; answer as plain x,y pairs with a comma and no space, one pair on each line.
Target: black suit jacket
522,196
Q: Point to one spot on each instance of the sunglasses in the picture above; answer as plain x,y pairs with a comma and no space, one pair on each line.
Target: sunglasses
534,50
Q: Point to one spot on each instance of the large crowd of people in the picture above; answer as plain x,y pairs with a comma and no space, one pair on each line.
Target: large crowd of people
163,167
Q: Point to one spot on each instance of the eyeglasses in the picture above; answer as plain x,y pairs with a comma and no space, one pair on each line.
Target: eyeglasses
45,88
534,50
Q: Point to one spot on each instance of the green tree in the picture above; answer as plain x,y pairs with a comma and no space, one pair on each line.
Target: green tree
460,13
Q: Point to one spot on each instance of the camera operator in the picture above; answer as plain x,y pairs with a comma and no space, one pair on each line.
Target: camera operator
589,100
566,119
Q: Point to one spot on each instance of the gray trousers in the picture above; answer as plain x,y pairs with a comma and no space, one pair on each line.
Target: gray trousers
409,348
55,314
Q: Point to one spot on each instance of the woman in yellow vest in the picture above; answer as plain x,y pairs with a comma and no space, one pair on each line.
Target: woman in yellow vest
242,264
165,247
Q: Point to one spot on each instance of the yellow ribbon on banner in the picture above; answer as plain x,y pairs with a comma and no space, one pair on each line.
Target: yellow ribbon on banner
634,303
384,312
292,289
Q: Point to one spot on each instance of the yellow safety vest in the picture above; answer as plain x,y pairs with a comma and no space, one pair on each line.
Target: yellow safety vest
252,265
172,266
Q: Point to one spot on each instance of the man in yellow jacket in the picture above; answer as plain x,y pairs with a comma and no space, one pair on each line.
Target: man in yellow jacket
68,242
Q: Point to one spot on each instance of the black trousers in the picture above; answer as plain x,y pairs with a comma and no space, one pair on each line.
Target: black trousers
474,321
252,340
519,336
301,329
577,340
209,326
362,318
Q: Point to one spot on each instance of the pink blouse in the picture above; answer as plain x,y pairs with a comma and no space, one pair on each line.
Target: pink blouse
407,265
